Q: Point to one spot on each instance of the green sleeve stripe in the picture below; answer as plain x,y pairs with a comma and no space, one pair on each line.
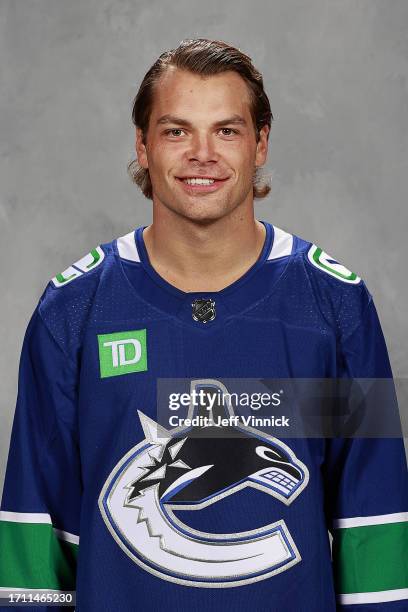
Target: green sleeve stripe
371,558
33,557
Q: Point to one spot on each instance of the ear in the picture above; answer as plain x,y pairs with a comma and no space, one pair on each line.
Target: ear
141,149
262,146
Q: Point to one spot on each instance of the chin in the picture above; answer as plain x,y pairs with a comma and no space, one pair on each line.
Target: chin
202,214
199,210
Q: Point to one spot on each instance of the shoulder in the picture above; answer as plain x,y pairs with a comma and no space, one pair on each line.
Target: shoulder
341,294
324,282
80,278
69,297
96,259
83,267
320,266
328,265
316,260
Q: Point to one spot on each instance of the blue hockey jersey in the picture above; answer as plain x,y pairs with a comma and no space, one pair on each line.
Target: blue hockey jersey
100,499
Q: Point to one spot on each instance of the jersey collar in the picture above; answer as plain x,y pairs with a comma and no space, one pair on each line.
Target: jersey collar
252,286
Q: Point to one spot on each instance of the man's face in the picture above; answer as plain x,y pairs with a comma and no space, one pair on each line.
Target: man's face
201,127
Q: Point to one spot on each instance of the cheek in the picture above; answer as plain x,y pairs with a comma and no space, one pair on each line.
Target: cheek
246,167
165,158
158,161
240,157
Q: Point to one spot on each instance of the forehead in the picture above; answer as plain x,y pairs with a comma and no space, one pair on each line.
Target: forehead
189,95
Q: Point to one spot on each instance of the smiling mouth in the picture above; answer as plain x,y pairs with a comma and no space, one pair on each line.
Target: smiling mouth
201,183
200,180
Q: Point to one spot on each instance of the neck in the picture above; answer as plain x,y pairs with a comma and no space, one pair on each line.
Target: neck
196,256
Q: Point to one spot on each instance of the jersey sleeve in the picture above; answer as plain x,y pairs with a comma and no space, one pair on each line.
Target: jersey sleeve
367,492
39,517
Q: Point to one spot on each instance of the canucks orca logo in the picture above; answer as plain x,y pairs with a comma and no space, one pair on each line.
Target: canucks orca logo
167,472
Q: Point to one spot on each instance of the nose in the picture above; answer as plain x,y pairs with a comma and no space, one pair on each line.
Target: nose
202,149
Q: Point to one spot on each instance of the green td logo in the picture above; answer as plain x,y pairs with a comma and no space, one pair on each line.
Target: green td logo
122,353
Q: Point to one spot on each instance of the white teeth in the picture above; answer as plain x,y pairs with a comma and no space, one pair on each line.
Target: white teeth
198,181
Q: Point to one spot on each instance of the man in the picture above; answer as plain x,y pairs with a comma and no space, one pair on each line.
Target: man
205,293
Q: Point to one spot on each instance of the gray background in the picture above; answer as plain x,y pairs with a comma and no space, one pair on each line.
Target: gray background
336,74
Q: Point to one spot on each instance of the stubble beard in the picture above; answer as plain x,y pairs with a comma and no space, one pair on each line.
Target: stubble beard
204,209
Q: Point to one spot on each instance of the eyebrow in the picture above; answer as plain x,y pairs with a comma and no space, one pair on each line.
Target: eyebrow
234,119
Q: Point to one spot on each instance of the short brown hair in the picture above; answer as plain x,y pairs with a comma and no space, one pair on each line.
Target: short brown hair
204,57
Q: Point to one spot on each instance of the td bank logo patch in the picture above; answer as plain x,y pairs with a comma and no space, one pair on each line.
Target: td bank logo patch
122,353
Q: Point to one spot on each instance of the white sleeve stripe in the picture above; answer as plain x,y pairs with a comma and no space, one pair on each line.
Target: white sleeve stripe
6,590
282,244
25,517
373,597
127,247
36,518
66,536
362,521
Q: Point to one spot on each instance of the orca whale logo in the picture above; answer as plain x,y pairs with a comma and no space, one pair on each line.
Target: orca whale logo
171,471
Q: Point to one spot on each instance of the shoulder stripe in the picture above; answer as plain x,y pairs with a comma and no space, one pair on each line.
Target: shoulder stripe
127,247
362,521
373,597
282,244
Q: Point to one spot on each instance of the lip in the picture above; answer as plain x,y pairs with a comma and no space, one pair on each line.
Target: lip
218,184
